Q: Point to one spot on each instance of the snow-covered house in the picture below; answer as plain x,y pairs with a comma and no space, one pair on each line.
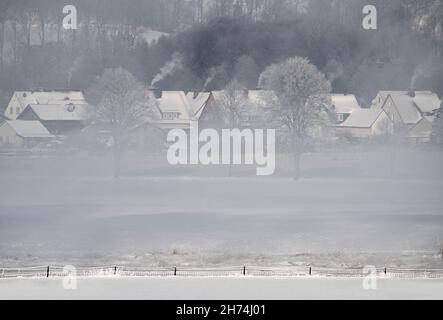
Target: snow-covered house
343,105
59,119
366,123
259,103
19,132
256,105
178,108
21,99
412,112
422,131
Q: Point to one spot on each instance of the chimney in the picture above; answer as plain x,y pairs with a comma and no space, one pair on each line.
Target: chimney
411,92
158,93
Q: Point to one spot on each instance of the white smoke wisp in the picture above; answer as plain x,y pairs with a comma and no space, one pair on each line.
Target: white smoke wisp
176,63
75,66
422,71
333,70
212,74
418,73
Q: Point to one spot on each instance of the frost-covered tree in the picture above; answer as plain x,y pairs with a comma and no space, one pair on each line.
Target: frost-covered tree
303,95
121,104
231,103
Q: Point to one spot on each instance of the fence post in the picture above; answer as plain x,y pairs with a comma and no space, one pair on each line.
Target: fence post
175,271
244,270
385,271
310,270
47,272
115,270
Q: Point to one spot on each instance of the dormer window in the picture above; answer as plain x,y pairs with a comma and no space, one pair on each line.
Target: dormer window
340,117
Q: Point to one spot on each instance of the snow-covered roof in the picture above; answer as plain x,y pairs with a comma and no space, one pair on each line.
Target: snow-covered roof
344,103
410,107
174,101
197,103
61,112
187,105
261,98
427,102
362,118
254,98
49,97
29,129
406,107
148,35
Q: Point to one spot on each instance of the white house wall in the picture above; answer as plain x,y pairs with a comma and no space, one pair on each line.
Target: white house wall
11,110
9,137
383,125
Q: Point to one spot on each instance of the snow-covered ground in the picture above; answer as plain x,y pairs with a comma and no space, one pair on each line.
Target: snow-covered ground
344,212
220,288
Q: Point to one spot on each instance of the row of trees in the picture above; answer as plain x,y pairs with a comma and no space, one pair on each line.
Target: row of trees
122,104
299,104
24,22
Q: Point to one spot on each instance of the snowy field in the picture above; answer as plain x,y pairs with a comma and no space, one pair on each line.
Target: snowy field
220,288
344,212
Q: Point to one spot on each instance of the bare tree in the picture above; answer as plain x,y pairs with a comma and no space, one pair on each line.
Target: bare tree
303,94
121,104
232,103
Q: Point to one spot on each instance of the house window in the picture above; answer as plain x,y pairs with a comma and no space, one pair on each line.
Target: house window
18,110
171,115
340,117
